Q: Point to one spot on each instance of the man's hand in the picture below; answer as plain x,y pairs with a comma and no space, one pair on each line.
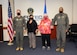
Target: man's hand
66,30
14,32
52,27
24,31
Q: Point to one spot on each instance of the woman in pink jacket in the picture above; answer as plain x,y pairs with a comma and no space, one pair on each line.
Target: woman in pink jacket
45,29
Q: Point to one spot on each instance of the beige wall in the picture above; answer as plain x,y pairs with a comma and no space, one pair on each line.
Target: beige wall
38,9
5,16
52,7
74,11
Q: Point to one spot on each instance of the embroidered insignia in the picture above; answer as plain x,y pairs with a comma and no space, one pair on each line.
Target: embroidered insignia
58,17
62,16
16,19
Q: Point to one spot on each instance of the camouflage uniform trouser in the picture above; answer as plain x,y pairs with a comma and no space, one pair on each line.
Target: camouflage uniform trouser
61,37
19,38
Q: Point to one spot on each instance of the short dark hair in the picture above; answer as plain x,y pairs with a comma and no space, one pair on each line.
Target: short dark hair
30,15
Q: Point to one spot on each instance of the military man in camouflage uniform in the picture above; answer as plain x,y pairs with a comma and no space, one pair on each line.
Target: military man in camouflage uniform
19,26
62,27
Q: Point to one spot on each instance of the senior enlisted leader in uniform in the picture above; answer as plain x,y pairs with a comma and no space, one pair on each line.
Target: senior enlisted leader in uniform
62,28
19,26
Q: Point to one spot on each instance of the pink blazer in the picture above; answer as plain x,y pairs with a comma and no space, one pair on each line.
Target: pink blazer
45,26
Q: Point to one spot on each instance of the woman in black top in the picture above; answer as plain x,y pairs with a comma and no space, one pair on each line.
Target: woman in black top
32,29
